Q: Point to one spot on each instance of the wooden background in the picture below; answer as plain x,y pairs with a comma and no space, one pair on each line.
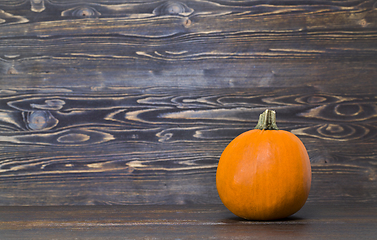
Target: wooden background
132,102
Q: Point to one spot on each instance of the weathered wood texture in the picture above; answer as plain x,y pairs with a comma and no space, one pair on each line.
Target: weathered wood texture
337,222
132,102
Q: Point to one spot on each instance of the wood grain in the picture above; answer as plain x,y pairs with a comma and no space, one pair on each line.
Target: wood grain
208,221
107,102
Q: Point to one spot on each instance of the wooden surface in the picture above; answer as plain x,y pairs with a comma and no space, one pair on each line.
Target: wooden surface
184,222
132,102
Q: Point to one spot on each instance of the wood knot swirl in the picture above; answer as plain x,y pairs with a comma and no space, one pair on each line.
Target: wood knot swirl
39,120
73,138
318,99
338,132
173,8
348,110
81,12
345,112
49,104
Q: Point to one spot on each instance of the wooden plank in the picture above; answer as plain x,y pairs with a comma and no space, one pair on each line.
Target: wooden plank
184,222
163,145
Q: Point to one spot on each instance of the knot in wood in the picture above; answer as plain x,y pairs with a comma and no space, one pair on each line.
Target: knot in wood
81,12
173,8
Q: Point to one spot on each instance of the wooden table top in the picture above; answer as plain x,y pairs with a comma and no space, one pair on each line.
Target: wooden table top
313,221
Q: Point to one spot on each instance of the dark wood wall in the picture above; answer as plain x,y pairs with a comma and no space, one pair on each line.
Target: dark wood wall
132,102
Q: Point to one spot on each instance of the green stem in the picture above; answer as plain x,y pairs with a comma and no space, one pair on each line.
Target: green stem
267,121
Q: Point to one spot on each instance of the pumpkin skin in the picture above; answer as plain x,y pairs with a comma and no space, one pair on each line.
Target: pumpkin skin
264,175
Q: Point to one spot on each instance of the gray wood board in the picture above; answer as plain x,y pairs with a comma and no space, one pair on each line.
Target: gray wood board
109,102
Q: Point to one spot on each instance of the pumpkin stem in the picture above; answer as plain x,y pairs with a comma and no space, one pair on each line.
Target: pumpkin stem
267,121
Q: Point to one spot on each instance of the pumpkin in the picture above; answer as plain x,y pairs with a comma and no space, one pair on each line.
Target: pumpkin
264,173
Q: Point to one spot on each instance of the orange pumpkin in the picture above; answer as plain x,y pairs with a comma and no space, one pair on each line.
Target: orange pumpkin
264,173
